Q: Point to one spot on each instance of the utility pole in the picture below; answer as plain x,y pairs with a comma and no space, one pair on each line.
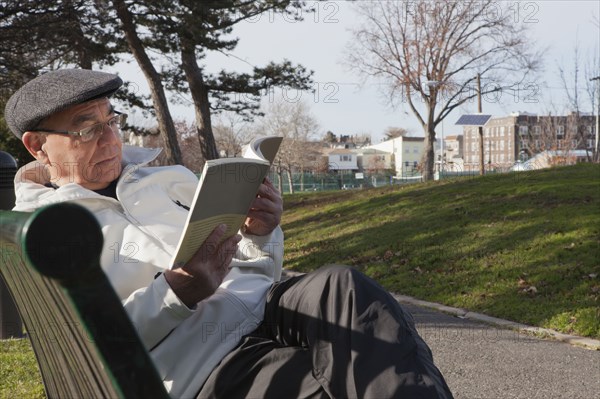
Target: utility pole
596,146
480,128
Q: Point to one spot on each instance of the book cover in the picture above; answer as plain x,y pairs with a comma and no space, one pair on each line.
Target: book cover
225,192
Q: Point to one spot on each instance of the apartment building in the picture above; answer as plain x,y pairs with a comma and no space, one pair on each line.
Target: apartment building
521,136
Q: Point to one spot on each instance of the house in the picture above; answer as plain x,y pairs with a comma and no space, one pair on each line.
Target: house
342,159
453,153
374,160
406,153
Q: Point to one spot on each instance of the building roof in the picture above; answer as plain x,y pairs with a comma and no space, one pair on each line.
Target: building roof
453,137
341,151
373,151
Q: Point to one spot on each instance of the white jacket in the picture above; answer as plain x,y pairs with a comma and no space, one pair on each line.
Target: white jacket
141,231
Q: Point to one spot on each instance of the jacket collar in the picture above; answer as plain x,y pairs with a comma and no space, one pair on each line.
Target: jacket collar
139,155
31,180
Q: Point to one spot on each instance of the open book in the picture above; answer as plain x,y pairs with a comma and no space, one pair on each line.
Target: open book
225,192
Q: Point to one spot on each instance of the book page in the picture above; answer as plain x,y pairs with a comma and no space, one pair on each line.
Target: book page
263,148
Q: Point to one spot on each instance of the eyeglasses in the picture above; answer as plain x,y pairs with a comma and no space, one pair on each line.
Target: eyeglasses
88,133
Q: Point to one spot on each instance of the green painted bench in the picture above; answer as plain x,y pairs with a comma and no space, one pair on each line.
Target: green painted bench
84,342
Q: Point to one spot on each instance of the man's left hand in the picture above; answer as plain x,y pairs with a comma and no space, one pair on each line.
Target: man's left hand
265,211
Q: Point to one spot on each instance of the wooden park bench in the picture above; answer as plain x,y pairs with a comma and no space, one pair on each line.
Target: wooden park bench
84,342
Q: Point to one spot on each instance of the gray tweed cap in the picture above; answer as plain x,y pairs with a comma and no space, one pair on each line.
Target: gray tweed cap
53,92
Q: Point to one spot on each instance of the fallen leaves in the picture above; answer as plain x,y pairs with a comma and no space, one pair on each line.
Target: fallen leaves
526,287
570,246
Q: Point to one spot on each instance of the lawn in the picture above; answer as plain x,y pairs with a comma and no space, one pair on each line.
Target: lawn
19,373
522,246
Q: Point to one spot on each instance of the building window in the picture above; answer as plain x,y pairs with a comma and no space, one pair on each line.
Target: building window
345,158
407,150
414,164
523,130
537,129
560,132
415,150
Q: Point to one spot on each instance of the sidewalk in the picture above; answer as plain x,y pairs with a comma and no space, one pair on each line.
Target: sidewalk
485,358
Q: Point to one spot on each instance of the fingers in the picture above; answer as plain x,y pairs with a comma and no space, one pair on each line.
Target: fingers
216,252
266,210
211,243
227,250
268,199
267,216
268,190
200,277
265,205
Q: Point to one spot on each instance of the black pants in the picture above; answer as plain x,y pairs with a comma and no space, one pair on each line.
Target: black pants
331,333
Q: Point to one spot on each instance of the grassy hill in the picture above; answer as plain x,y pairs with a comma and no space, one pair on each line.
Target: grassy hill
522,246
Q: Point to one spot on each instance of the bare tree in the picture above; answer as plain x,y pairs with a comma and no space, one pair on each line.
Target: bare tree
429,54
393,132
571,82
375,165
294,122
231,132
592,88
190,147
555,136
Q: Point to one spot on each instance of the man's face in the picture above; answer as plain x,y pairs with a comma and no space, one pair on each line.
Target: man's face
93,164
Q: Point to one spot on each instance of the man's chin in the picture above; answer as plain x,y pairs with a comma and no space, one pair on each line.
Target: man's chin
103,173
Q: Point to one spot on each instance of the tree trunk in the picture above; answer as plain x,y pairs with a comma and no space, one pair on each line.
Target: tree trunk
428,155
80,43
159,100
481,151
289,176
279,178
480,129
199,92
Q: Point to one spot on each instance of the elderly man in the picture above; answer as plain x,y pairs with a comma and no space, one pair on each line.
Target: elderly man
222,325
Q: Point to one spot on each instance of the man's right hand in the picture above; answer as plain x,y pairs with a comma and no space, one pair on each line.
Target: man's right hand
200,277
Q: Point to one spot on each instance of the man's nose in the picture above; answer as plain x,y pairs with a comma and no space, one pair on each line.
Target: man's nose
109,135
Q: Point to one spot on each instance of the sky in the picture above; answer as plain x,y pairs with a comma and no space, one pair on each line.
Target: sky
345,103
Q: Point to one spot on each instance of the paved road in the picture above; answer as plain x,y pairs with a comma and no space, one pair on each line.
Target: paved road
484,362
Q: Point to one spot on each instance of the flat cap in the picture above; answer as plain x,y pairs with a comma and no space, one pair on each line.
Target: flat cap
53,92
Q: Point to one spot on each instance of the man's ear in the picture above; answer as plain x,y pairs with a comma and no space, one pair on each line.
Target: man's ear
34,143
